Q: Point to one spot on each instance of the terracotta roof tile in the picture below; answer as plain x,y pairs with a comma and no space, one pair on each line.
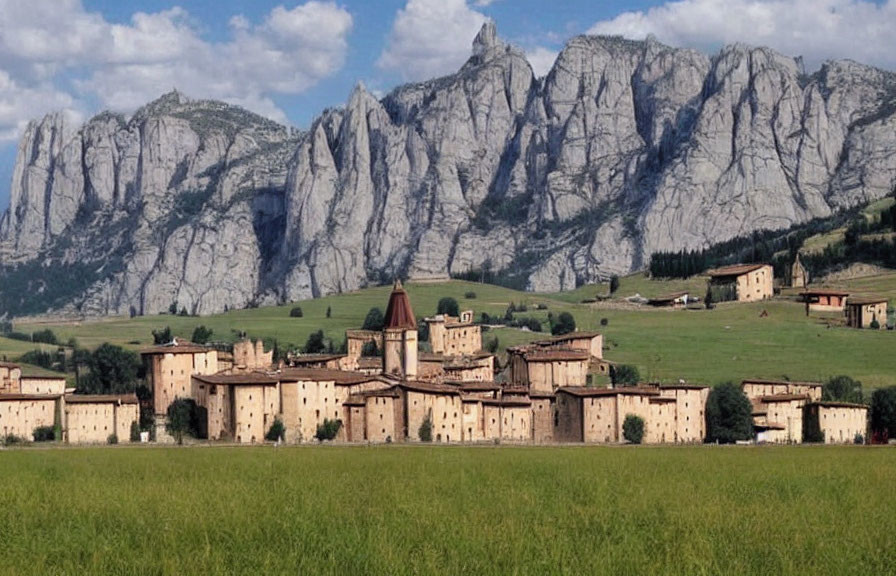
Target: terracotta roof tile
584,392
399,314
244,379
340,377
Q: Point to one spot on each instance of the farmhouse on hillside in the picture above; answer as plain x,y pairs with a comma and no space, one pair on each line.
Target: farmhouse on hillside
741,283
825,299
866,311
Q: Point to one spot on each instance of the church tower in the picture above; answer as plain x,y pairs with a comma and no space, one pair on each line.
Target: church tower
400,335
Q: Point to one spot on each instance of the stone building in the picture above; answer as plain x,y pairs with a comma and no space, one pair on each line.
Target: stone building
596,415
835,422
454,335
825,299
778,418
798,276
169,372
239,407
690,406
20,414
742,283
93,419
544,370
400,336
757,388
862,312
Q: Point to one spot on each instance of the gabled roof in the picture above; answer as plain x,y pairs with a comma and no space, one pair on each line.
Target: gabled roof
735,270
399,314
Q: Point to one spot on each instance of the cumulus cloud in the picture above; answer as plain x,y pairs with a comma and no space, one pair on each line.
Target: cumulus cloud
431,38
56,55
818,30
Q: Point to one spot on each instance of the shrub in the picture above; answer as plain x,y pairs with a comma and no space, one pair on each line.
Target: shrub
448,306
425,430
564,325
728,415
112,439
532,324
875,325
614,284
277,431
328,430
858,439
604,321
624,375
369,349
374,320
315,343
329,311
492,345
883,411
201,334
113,370
181,417
18,336
172,308
633,428
842,389
135,431
541,306
296,312
10,439
470,295
44,434
45,336
162,336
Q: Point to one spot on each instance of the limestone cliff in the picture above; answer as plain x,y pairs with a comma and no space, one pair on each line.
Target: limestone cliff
624,148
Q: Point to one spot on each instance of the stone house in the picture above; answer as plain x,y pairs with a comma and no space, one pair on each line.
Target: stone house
757,388
544,370
238,407
835,422
778,418
591,342
862,312
92,419
798,275
690,405
10,375
454,335
20,414
596,415
742,283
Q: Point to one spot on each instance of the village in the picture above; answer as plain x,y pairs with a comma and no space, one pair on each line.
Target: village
385,389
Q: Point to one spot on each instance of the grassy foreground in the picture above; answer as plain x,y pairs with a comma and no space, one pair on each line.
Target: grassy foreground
448,510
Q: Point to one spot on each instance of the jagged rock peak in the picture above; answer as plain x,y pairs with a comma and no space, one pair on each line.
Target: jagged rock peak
486,39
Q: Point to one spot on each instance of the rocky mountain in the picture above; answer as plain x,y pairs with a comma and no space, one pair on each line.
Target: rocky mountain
623,149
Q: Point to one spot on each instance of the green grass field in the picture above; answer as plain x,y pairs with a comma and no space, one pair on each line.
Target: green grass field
731,342
448,510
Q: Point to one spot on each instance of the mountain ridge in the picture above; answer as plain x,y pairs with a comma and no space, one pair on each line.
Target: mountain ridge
623,149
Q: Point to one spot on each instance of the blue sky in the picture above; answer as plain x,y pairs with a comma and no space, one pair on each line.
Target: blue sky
289,60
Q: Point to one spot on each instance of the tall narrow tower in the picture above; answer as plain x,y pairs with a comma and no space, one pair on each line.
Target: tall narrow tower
400,335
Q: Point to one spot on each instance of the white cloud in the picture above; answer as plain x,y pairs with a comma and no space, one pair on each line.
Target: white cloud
815,29
54,54
431,38
542,59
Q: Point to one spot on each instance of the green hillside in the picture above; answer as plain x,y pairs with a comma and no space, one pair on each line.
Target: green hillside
731,342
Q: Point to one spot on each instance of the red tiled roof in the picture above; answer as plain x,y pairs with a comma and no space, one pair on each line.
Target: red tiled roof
735,270
339,377
399,314
245,379
101,399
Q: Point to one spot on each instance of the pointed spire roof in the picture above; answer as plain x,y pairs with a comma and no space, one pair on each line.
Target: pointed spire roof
399,314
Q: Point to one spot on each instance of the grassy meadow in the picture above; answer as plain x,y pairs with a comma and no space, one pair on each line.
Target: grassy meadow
448,510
